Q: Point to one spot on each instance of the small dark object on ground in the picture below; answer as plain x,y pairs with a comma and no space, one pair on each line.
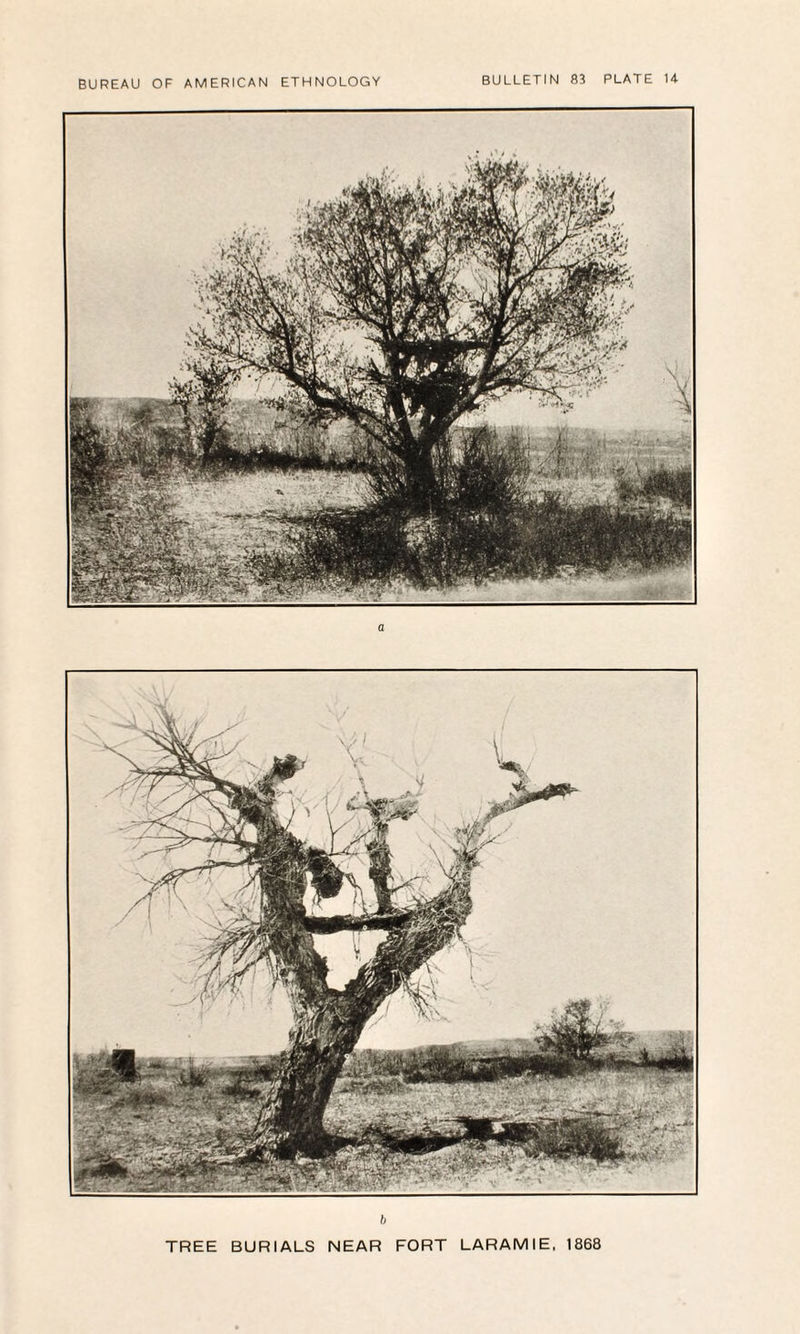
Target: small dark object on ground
422,1143
123,1062
108,1167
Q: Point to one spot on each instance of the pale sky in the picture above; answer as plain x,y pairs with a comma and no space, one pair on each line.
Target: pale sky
591,895
150,196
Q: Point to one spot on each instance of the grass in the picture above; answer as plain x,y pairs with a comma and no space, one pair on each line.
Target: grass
290,535
659,483
194,1074
274,522
623,1128
178,535
535,540
443,1068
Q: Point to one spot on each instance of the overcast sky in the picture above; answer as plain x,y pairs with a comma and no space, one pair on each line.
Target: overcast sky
590,895
150,196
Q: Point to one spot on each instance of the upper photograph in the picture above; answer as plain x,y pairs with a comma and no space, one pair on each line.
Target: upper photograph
380,357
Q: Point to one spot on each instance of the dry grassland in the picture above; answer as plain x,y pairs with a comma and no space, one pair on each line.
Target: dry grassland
623,1129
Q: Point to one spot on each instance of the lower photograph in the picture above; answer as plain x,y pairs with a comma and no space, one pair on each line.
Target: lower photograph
419,932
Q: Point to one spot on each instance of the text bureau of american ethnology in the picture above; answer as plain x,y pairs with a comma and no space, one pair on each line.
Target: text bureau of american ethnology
134,82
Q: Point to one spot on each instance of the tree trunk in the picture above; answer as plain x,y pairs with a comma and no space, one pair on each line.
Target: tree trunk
421,485
328,1022
189,430
291,1119
208,438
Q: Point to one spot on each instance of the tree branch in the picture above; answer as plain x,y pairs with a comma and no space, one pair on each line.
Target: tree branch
380,921
437,922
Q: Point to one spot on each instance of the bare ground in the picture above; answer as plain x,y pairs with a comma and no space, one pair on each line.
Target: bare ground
157,1137
178,536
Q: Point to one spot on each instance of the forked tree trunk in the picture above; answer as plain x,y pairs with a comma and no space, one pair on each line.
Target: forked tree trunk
326,1030
328,1022
291,1119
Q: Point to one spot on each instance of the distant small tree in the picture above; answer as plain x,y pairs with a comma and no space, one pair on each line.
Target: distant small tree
682,384
580,1028
680,1051
203,398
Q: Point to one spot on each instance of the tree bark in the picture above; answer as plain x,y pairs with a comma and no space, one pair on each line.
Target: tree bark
421,487
326,1032
291,1119
208,438
328,1022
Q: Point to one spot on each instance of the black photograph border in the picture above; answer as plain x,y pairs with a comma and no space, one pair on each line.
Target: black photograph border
356,111
378,1195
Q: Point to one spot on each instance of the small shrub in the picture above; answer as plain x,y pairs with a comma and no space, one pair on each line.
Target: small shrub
227,458
448,1069
88,450
135,443
99,1167
599,536
550,1065
388,485
141,1095
674,484
579,1137
267,1068
675,1063
679,1055
455,1072
478,472
194,1074
628,484
93,1074
358,545
533,540
314,459
239,1086
490,476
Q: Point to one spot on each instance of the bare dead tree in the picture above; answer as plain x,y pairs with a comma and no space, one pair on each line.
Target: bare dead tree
199,823
682,382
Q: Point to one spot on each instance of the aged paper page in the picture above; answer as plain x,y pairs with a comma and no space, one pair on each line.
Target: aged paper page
595,593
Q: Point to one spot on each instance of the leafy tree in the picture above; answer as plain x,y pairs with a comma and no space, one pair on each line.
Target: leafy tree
580,1028
204,397
228,833
402,308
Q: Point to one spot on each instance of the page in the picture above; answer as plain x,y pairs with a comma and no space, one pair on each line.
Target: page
398,730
